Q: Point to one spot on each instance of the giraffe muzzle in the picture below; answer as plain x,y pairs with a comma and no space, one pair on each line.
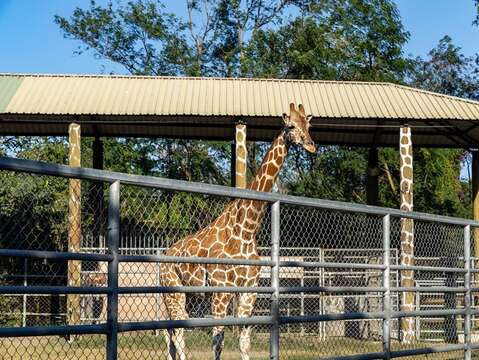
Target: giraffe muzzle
310,147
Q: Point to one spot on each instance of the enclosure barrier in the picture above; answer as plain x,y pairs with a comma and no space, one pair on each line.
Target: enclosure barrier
112,327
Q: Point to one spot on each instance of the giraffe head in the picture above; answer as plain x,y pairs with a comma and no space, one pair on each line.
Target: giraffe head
296,126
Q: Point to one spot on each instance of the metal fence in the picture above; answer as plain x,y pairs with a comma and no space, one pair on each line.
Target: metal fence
329,285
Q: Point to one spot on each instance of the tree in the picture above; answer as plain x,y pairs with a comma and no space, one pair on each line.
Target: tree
476,20
348,40
448,71
146,39
140,35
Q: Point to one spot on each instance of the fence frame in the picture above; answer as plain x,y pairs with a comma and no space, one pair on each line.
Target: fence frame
112,326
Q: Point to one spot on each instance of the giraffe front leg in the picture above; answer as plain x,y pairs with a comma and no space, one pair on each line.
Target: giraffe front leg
219,308
176,304
246,303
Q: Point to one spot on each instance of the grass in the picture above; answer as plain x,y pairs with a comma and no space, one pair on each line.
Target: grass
148,346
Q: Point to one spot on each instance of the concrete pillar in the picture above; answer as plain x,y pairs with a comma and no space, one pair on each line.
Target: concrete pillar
408,334
241,155
74,225
372,185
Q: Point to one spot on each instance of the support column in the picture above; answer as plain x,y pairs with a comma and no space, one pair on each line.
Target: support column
372,185
475,201
96,197
241,155
407,233
74,225
475,216
97,153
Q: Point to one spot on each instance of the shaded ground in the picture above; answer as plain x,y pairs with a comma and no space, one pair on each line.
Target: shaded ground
147,346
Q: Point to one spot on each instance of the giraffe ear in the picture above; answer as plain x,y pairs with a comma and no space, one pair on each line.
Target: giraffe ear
309,117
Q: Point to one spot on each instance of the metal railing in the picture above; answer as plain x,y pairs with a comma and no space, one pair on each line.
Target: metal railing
112,327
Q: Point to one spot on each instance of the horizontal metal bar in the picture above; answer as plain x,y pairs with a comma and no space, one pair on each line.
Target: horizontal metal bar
195,260
53,330
192,260
329,289
366,315
193,289
429,289
330,317
428,350
47,290
424,313
193,323
428,268
330,265
43,168
365,356
54,255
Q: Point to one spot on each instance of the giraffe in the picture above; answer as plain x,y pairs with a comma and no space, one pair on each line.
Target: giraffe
231,235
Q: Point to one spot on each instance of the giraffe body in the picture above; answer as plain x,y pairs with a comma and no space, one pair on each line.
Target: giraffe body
231,235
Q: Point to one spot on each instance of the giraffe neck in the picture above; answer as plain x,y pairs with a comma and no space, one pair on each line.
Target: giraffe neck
271,165
246,215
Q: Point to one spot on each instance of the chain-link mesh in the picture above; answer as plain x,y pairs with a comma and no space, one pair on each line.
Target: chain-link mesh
36,214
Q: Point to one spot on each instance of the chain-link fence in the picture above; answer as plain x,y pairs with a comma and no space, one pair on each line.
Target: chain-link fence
122,266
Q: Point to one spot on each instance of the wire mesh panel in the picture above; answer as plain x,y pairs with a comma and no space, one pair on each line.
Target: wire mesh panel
35,215
439,249
88,347
324,236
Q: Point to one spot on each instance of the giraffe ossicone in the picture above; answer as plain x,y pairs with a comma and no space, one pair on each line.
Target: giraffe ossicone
231,235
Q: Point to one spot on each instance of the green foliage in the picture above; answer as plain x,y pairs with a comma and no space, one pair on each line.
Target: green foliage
447,71
140,35
34,208
476,19
343,180
351,40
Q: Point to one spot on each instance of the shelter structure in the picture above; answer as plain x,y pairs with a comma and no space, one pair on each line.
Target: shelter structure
359,114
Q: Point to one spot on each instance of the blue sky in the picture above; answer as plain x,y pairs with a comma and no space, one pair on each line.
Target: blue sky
32,43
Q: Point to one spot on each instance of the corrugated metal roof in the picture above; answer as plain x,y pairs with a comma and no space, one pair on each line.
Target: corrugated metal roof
344,112
163,96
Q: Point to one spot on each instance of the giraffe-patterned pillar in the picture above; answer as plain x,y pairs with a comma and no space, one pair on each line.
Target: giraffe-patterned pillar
241,154
74,225
407,232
